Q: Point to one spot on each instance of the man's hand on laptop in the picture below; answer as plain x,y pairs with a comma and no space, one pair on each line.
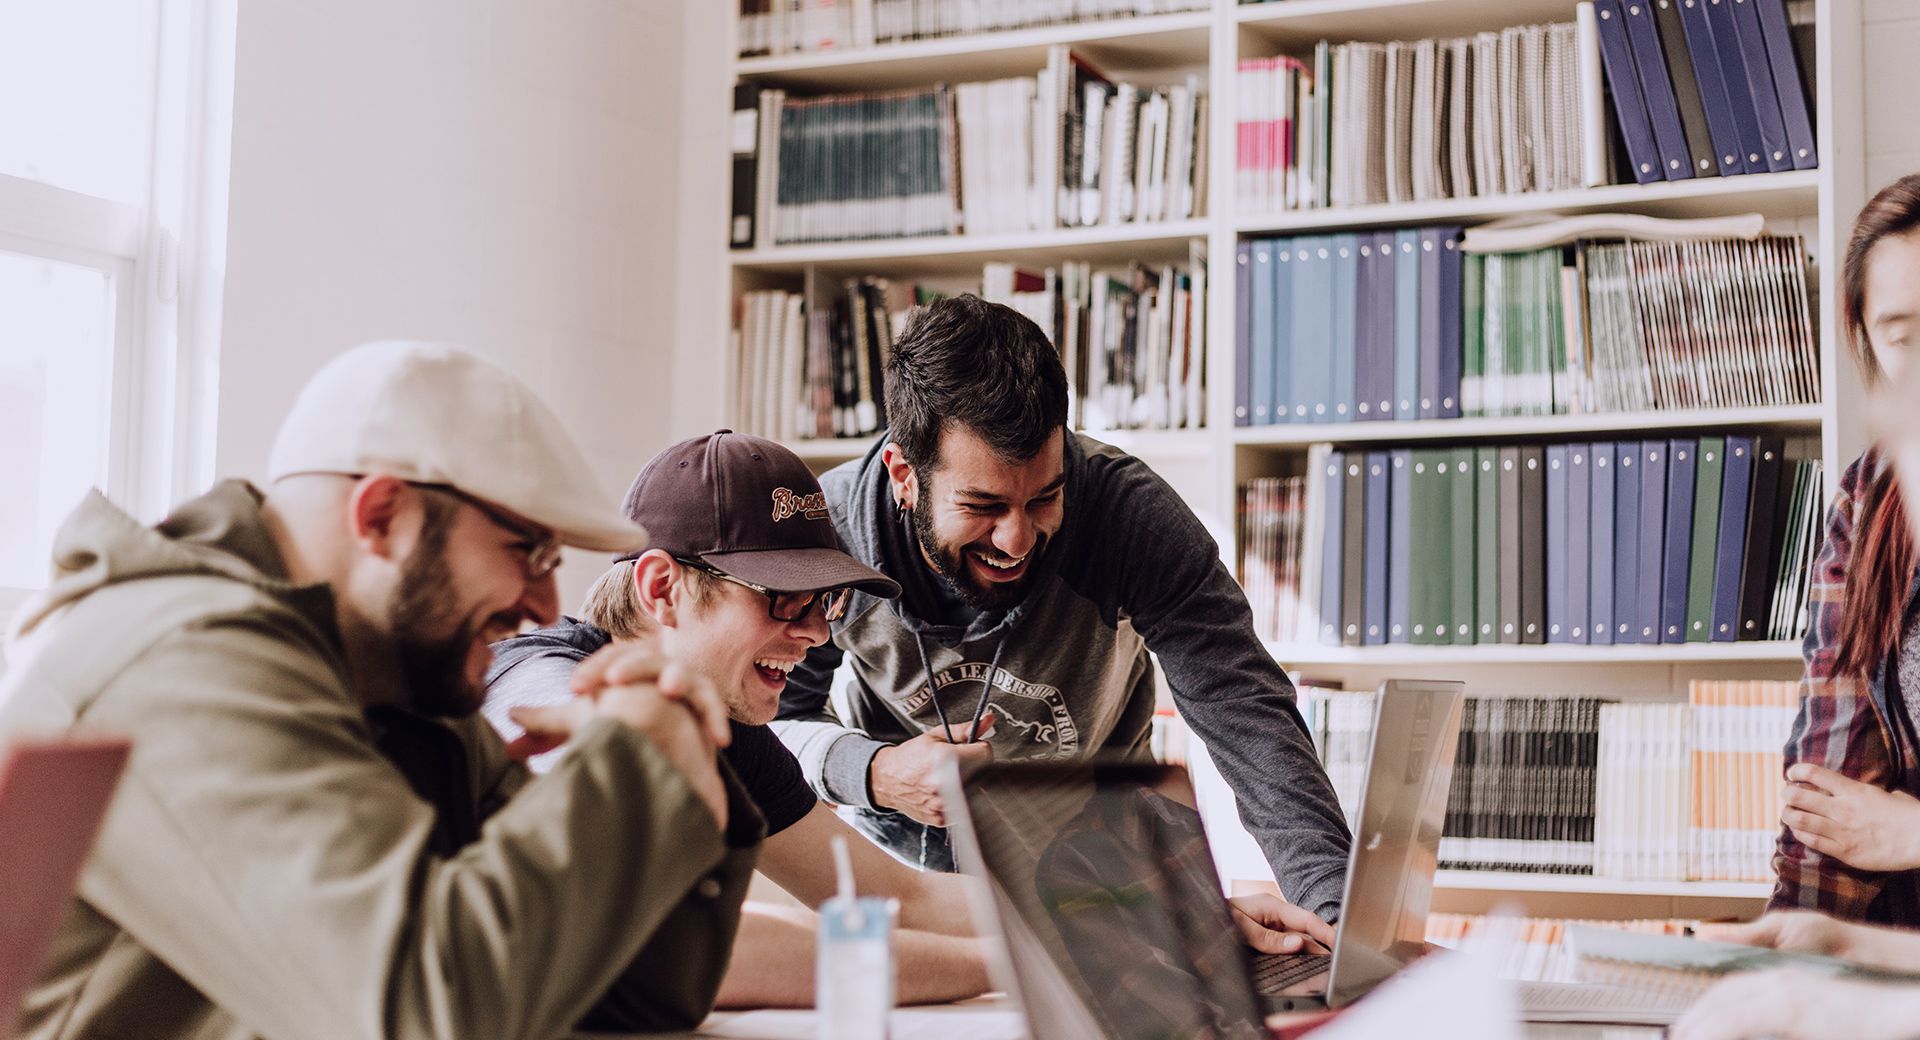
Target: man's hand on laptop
1273,925
906,776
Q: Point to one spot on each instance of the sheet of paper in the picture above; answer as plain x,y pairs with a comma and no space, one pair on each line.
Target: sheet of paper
1445,996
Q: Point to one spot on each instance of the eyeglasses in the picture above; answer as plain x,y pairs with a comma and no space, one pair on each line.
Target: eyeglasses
784,606
541,548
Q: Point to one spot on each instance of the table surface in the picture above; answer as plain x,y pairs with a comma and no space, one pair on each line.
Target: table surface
994,1018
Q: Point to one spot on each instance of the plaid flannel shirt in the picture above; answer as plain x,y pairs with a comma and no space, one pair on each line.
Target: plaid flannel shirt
1845,725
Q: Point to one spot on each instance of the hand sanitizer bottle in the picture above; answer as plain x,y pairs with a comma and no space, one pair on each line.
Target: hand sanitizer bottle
853,975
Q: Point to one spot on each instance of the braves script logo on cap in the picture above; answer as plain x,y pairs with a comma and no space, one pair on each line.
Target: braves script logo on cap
787,504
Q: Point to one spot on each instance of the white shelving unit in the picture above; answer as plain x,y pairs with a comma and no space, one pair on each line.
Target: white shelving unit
1208,465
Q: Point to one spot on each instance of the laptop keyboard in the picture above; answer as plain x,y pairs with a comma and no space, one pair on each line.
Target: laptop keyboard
1273,972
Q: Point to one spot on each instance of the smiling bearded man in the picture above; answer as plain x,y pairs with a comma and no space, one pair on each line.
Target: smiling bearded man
1038,568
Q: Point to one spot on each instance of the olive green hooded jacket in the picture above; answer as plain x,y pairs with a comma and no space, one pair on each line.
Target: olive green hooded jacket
267,869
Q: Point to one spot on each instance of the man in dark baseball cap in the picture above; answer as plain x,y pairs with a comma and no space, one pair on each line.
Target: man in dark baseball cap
741,578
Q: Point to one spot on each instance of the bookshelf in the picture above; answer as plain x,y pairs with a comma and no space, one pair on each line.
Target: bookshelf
1208,465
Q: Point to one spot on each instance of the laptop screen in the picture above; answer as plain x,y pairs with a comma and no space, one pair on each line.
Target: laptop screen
1107,891
1383,924
53,795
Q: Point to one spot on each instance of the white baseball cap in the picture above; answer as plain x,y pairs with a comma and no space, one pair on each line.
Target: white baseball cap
431,413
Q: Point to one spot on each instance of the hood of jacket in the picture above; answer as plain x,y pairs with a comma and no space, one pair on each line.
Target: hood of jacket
220,534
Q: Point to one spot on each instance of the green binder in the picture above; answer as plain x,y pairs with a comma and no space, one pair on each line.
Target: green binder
1461,518
1710,463
1486,543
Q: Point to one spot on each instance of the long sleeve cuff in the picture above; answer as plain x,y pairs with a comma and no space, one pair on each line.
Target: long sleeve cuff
846,772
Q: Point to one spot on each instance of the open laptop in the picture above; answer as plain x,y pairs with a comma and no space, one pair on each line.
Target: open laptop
1112,914
53,796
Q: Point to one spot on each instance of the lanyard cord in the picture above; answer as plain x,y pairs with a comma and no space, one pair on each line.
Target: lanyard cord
979,706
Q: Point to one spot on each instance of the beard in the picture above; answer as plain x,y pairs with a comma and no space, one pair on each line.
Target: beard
432,667
949,561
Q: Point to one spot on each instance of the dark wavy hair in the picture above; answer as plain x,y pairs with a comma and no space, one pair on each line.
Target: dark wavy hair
982,366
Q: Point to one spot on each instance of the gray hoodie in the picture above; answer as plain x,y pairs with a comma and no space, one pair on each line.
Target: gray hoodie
1131,570
279,863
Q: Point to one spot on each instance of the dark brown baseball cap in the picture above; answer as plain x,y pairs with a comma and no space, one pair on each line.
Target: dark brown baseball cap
747,506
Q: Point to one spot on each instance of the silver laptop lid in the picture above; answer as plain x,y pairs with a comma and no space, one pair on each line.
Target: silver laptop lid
1403,808
1105,891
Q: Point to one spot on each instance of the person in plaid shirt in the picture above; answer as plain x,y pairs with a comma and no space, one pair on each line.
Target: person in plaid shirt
1850,844
1849,849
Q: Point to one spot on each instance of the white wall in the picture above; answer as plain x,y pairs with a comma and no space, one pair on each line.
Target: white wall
496,173
1892,84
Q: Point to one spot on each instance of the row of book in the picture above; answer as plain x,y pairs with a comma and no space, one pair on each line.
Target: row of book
1371,123
1523,783
1531,949
1410,324
804,26
1134,342
815,371
1698,792
1637,326
1708,89
1661,541
1573,785
1068,147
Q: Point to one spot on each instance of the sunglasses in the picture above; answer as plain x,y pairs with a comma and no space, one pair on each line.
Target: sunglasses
784,606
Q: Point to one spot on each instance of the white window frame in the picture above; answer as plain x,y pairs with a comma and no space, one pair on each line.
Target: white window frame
167,260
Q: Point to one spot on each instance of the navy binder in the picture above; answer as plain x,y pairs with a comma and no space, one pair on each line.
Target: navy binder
1242,334
1447,320
1406,325
1736,484
1429,255
1626,541
1374,613
1742,50
1373,395
1332,551
1399,545
1787,85
1578,533
1486,545
1721,127
1533,547
1648,588
1559,463
1340,345
1686,88
1623,80
1718,38
1600,467
1678,566
1265,349
1656,89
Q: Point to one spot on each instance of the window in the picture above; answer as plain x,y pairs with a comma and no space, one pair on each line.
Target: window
113,124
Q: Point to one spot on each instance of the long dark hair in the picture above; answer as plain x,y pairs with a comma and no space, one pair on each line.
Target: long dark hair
1882,562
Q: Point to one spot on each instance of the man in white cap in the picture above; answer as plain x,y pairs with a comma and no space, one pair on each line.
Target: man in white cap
318,836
